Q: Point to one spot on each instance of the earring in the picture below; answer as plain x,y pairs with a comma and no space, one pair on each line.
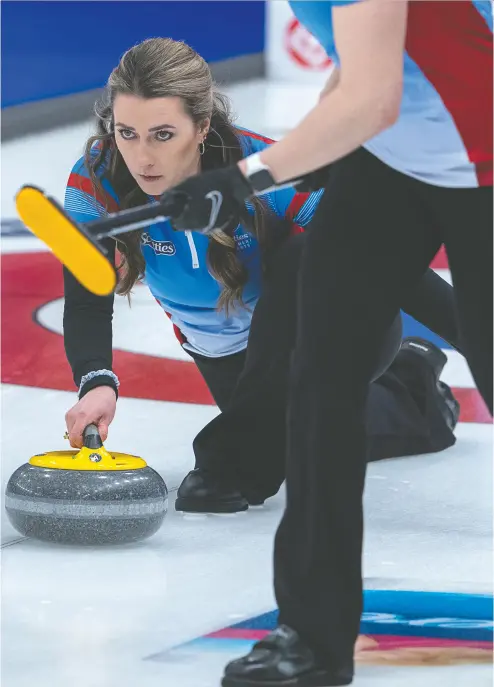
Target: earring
202,148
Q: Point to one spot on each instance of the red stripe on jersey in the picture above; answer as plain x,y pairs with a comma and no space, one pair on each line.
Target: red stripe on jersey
178,334
452,45
440,261
297,202
258,137
85,184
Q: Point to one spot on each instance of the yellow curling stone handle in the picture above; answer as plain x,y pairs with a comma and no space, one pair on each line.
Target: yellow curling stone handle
92,456
87,459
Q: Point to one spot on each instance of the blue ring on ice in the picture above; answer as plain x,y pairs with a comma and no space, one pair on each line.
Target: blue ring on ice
413,613
432,615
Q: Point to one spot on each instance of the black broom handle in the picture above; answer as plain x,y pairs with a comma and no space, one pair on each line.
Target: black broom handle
135,218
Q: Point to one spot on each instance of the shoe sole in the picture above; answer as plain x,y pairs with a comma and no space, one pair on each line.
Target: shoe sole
185,505
317,679
255,503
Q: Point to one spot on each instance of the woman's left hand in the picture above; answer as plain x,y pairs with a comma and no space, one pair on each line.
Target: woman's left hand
212,200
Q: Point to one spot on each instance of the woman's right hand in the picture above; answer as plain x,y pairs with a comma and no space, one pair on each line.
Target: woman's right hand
97,407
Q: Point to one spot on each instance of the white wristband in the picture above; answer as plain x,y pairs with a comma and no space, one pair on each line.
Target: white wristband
98,373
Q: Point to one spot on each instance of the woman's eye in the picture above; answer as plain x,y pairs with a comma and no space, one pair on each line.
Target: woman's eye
126,134
163,135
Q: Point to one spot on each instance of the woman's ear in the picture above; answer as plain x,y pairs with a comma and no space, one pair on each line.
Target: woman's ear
205,126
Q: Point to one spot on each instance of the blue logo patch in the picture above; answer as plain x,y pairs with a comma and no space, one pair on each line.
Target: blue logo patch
159,247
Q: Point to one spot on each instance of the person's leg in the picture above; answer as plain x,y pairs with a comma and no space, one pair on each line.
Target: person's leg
432,303
409,411
246,444
466,220
199,489
369,242
240,454
221,375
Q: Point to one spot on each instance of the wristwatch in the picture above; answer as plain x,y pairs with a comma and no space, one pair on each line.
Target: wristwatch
258,174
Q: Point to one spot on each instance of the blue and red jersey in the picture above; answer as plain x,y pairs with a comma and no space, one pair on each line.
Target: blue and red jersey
443,135
176,269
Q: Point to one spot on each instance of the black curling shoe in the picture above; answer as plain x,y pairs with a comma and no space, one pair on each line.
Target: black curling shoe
201,492
432,356
426,350
282,660
449,406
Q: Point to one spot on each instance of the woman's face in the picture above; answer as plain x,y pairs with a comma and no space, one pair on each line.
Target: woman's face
158,141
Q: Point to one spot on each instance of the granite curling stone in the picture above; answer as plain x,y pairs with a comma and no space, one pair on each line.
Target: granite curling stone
89,497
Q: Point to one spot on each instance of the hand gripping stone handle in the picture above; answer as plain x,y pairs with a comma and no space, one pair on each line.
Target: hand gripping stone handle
91,437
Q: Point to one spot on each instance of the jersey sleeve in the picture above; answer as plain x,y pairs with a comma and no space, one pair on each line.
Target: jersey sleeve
298,208
87,319
82,201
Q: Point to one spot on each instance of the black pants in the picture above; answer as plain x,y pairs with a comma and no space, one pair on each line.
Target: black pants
246,443
403,416
372,239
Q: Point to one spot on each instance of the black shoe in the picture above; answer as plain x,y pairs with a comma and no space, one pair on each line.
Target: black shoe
282,660
201,492
426,350
450,408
